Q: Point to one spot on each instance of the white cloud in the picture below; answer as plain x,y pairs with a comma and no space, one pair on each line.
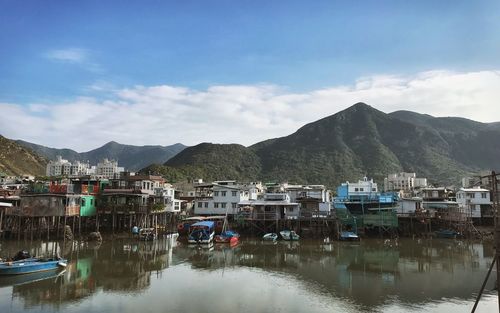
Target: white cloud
70,55
76,56
241,114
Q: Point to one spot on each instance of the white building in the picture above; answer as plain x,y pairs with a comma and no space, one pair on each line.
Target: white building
63,167
403,181
471,201
363,189
273,206
167,192
108,168
223,196
311,197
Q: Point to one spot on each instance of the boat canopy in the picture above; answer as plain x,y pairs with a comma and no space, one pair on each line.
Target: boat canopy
208,224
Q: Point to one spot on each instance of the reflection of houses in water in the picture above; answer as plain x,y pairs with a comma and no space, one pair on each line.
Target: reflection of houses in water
368,273
114,267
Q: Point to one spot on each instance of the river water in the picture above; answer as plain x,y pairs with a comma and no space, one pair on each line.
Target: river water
307,276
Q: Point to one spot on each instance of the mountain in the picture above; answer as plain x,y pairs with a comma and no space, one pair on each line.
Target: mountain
18,160
131,157
211,162
353,143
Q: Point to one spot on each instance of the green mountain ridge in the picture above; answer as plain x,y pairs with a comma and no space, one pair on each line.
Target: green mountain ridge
18,160
131,157
348,145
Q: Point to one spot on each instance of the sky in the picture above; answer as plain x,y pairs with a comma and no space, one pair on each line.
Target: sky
80,74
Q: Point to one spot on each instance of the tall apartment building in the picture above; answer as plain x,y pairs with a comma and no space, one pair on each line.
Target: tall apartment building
403,181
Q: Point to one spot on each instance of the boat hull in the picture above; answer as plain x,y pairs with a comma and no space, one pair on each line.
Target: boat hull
19,268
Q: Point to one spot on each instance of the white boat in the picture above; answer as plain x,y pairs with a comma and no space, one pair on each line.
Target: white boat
289,235
270,237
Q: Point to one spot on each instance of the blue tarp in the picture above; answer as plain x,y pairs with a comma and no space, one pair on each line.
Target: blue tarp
209,224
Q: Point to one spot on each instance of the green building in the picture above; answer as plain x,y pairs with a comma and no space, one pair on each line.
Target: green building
87,205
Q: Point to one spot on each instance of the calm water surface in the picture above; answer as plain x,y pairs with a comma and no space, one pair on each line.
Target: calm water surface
306,276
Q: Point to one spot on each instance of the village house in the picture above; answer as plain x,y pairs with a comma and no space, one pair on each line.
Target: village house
313,199
221,197
273,206
475,202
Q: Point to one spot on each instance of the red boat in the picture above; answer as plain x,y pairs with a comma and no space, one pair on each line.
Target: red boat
228,236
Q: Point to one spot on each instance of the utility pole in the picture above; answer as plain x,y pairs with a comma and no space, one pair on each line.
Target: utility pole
493,180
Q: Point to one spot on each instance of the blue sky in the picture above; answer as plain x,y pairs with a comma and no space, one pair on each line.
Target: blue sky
55,52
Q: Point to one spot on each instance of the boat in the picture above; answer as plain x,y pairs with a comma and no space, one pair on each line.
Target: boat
183,228
348,236
31,265
270,237
228,236
289,235
147,234
202,232
16,280
219,220
447,233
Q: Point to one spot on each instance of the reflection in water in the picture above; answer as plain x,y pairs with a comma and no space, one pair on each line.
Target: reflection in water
308,275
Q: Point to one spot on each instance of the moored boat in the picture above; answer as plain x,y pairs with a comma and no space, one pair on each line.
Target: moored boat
448,233
348,236
183,228
31,265
147,234
202,232
228,236
289,235
270,237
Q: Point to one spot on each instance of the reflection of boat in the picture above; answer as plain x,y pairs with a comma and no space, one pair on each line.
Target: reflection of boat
31,266
270,237
147,234
14,280
448,233
228,236
289,235
202,232
348,236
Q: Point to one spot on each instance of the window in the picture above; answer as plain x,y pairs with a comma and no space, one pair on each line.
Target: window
233,205
216,193
234,193
223,205
223,193
373,189
200,204
91,201
206,204
83,201
216,205
361,189
484,195
356,189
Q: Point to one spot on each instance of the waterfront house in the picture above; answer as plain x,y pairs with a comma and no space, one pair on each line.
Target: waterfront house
437,201
220,197
273,206
313,199
475,202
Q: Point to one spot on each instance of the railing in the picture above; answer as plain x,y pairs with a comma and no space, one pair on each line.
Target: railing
125,208
316,214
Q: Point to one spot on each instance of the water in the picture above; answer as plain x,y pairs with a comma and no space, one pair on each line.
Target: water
306,276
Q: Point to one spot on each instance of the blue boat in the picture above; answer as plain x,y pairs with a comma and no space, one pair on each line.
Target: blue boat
16,280
202,232
31,265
